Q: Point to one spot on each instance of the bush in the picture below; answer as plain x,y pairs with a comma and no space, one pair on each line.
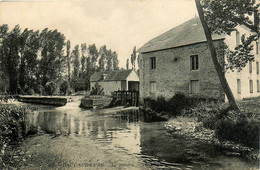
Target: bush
239,130
237,126
12,129
64,87
30,92
174,106
40,90
50,88
179,102
97,90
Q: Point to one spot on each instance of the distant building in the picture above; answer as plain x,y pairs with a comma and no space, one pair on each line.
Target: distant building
115,80
179,60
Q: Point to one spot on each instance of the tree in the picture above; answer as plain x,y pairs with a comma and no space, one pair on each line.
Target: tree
133,58
115,61
138,60
88,72
93,52
76,67
29,47
68,59
10,57
75,56
102,58
83,58
223,16
4,82
109,60
127,64
51,60
64,87
50,88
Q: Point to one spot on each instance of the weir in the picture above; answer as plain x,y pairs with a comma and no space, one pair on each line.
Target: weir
47,100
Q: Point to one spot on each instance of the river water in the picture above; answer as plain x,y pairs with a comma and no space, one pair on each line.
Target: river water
75,138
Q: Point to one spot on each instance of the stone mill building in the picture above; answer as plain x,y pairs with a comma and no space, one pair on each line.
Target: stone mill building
179,61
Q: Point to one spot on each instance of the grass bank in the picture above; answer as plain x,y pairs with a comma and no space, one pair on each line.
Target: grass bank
211,121
12,132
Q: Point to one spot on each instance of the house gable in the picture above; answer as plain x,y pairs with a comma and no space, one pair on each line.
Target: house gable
132,76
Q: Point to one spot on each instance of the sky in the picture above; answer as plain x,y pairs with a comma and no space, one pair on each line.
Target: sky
118,24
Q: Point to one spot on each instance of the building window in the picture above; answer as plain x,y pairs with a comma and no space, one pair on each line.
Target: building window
250,66
194,62
258,86
237,38
152,87
257,68
152,63
251,86
238,86
194,86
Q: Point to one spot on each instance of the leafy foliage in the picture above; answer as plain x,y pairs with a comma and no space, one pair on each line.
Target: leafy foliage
97,90
50,88
240,126
109,60
83,59
12,129
102,59
127,64
75,57
241,130
64,87
31,58
40,90
224,16
68,58
175,105
133,58
115,61
239,58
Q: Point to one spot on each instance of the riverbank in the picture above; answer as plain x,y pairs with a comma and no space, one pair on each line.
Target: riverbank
237,131
115,110
190,127
212,122
13,131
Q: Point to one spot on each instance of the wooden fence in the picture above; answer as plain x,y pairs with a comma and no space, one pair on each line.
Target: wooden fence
127,97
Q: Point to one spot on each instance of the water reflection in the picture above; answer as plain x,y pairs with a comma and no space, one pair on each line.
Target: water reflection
129,132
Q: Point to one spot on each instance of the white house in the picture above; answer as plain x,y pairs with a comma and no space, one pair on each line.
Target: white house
116,80
244,83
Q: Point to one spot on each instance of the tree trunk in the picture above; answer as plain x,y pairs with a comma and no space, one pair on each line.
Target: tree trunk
218,67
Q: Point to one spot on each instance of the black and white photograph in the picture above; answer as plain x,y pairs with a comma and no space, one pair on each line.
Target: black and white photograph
129,84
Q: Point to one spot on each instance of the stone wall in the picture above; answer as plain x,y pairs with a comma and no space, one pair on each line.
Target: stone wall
173,73
95,102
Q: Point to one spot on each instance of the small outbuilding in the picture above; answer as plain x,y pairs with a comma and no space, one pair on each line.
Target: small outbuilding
115,80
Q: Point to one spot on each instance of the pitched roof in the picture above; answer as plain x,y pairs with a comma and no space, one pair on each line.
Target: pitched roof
116,75
187,33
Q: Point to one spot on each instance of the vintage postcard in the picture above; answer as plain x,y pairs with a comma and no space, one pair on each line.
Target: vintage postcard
129,84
